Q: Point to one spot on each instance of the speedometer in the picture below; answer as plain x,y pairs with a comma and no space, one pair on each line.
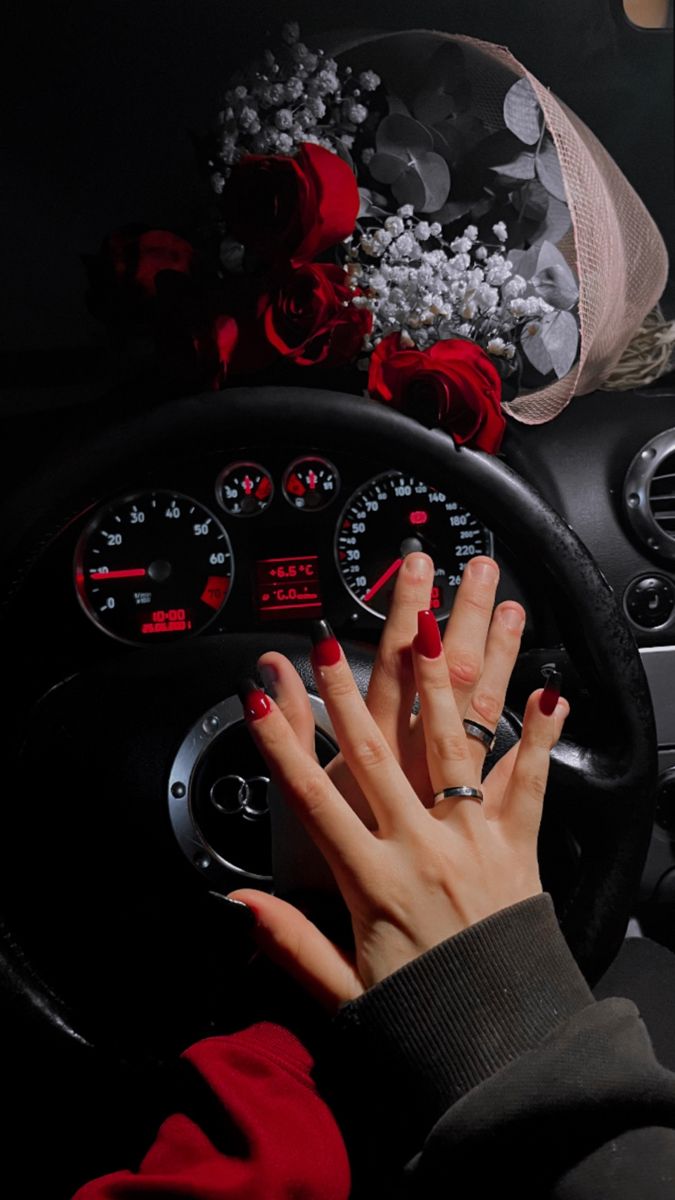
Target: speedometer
393,515
153,567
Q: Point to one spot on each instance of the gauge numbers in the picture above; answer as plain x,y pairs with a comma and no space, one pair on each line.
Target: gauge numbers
393,515
153,566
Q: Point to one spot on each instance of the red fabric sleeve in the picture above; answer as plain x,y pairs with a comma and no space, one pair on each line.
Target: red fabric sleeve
261,1077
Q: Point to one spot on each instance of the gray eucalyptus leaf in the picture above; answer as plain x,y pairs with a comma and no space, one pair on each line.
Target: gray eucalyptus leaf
522,114
555,224
551,343
386,167
549,170
554,279
520,167
402,136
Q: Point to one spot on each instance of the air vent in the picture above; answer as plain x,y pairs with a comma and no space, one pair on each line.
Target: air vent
662,495
649,494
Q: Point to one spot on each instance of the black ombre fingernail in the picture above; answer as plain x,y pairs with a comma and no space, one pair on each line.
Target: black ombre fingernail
253,699
551,693
326,646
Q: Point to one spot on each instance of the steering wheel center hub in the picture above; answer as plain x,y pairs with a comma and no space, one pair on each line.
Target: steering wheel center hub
225,811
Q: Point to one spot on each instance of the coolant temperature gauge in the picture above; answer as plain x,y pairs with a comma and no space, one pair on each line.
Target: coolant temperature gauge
244,489
310,483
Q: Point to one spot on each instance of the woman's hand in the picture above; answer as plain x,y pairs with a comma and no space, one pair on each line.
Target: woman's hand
481,648
424,873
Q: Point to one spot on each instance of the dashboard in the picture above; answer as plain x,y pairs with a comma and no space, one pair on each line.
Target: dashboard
260,538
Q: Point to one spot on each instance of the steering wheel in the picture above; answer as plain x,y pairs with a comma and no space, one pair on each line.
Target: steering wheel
87,844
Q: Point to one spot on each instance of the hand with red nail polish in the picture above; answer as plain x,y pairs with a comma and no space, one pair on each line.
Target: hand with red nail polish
415,862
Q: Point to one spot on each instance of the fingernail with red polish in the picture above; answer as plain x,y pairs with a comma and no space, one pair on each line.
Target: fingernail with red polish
551,693
428,641
253,699
326,650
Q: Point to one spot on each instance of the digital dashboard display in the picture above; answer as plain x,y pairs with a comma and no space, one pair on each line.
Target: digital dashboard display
288,587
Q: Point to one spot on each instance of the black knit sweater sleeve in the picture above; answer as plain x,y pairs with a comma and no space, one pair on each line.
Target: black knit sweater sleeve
487,1065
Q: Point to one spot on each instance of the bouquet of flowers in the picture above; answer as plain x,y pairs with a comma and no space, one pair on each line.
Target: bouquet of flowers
413,233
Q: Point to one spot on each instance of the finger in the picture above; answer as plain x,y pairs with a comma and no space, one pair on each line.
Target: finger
524,796
447,751
364,747
467,628
392,684
284,685
296,945
501,651
337,831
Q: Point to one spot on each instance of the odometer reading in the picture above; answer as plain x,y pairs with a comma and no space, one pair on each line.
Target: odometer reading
394,515
154,566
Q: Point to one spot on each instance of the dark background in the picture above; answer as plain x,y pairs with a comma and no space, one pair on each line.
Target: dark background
103,93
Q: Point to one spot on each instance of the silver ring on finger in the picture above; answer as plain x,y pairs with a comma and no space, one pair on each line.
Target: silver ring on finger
463,793
481,733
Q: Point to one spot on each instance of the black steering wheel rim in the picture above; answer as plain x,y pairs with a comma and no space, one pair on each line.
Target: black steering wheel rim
609,789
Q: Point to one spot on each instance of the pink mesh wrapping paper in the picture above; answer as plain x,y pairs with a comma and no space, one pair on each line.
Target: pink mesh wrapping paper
616,248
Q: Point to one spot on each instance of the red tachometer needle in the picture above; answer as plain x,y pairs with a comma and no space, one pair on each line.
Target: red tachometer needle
383,579
132,574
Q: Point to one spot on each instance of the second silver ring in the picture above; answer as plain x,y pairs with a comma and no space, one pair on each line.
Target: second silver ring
481,733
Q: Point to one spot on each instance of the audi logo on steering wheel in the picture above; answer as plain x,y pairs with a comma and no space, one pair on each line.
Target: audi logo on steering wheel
232,794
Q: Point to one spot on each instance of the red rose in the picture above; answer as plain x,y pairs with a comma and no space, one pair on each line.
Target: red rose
194,339
123,276
310,318
452,384
295,208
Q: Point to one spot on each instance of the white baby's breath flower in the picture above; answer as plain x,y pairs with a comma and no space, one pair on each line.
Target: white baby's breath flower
422,231
469,310
354,112
283,119
487,297
316,106
517,308
480,253
369,80
405,246
284,143
293,88
515,287
367,155
465,330
383,237
435,229
496,346
460,245
500,231
218,183
405,210
394,226
471,232
325,82
405,340
240,92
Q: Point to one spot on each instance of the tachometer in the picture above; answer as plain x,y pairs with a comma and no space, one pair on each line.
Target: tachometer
389,517
153,566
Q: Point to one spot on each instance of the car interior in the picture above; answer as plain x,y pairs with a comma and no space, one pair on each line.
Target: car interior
134,799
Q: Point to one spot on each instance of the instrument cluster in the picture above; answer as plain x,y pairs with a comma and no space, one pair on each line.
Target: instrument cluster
266,538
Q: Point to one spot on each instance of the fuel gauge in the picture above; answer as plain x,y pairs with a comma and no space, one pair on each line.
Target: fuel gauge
244,489
310,483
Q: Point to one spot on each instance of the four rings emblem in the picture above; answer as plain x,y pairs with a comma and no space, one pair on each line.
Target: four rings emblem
232,794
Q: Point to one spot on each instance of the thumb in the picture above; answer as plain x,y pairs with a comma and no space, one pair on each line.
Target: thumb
294,943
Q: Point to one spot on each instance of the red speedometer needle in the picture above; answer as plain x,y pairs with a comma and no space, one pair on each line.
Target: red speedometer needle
131,574
383,579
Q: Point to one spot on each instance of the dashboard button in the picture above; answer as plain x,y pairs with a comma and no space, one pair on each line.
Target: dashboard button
650,601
